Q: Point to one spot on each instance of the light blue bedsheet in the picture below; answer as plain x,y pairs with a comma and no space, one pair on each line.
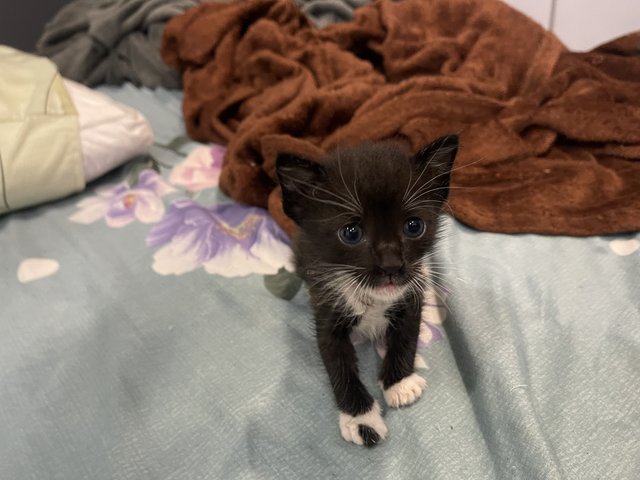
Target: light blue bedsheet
132,358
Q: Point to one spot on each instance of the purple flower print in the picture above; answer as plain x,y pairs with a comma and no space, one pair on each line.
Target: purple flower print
200,170
121,204
226,239
434,312
429,333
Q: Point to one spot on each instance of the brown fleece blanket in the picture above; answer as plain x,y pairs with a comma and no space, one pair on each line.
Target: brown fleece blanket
550,139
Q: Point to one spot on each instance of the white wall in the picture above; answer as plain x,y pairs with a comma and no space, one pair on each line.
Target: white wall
583,24
539,10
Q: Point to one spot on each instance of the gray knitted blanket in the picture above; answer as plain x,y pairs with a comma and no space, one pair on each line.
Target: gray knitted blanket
324,12
115,41
112,41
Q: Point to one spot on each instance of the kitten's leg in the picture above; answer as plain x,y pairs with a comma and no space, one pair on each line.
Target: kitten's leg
401,385
360,419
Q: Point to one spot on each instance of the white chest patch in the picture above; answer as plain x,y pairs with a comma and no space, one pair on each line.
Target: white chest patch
370,306
373,322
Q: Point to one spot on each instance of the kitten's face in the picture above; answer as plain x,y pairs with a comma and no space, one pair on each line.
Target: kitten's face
368,215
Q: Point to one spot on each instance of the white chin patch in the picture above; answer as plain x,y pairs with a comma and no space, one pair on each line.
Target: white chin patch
350,426
389,295
406,391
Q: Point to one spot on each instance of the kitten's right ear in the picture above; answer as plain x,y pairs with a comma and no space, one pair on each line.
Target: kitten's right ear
297,177
437,158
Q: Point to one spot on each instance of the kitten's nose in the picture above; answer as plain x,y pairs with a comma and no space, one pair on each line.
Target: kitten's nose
391,269
389,258
391,266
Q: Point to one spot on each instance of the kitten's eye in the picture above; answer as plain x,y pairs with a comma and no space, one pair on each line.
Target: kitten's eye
350,234
414,227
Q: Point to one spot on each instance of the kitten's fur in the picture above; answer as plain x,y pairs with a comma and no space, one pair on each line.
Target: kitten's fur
373,286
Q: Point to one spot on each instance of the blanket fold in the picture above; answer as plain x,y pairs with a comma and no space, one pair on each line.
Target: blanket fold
549,138
326,12
112,41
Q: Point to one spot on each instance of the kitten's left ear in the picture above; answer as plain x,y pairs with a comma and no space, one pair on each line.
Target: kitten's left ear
437,158
298,177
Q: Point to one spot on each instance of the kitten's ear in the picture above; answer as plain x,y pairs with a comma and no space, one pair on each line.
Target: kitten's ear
297,177
437,158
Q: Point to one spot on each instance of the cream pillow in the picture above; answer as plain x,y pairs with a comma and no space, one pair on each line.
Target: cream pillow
110,132
57,135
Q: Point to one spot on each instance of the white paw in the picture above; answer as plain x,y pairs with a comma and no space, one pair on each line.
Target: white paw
406,391
351,431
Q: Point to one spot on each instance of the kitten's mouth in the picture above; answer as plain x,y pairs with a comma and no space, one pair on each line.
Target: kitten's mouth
388,284
388,288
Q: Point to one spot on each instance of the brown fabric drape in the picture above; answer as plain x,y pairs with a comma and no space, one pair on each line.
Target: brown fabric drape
550,139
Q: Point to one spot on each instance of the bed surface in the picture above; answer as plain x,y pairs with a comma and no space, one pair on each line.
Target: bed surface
109,369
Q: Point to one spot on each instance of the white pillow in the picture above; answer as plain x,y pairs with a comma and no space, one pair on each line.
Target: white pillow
110,133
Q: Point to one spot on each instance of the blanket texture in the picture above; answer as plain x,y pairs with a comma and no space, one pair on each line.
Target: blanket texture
550,138
112,371
326,12
112,41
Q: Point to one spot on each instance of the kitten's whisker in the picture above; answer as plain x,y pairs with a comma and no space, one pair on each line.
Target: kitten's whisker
349,289
330,264
429,259
443,272
437,284
449,172
429,262
451,188
332,281
355,190
351,195
313,187
422,191
435,272
466,165
359,292
434,205
418,201
355,199
447,206
345,205
424,201
440,270
348,214
441,282
428,163
406,191
416,289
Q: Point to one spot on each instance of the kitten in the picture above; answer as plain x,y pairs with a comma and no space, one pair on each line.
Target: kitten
367,219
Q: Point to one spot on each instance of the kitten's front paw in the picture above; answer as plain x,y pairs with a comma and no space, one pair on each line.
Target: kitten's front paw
406,391
367,429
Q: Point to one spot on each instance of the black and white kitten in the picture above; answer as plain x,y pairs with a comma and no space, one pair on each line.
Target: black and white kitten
367,218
